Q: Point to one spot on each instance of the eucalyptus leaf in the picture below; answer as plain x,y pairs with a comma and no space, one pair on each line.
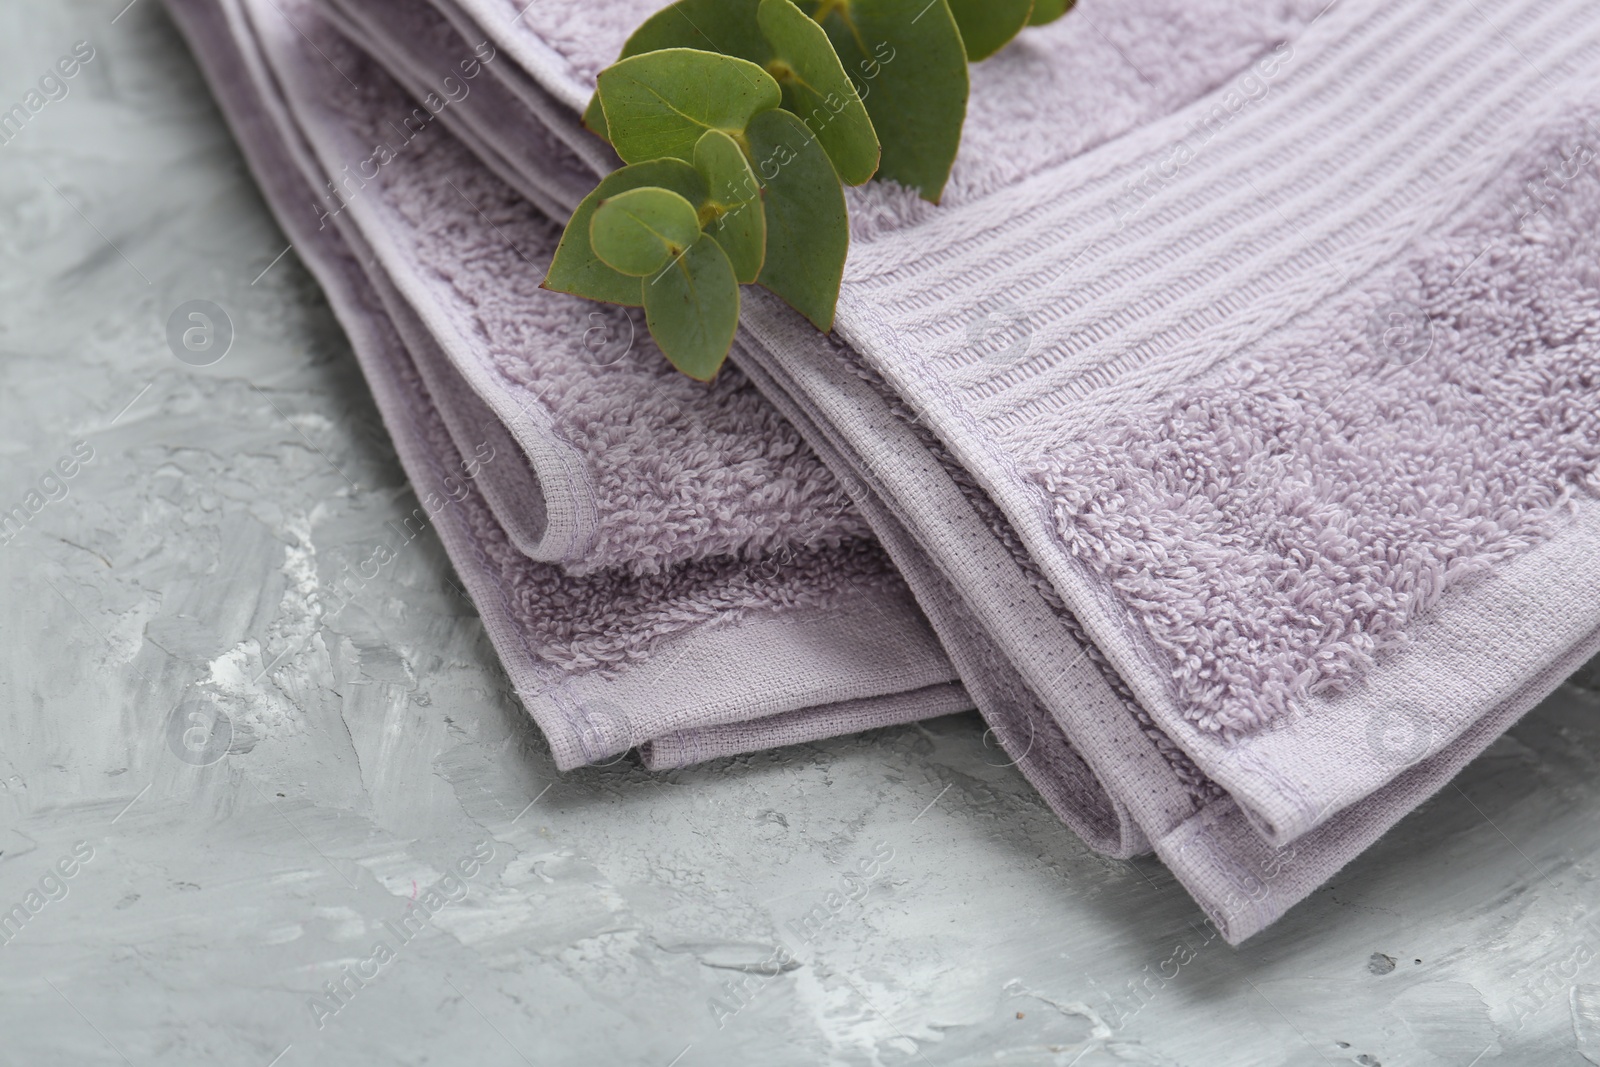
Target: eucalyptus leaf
660,103
692,309
732,214
576,269
1046,11
594,119
792,47
739,119
808,229
725,26
638,231
816,89
988,25
909,66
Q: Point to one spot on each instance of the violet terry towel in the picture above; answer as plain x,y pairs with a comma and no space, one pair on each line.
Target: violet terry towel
677,575
1233,418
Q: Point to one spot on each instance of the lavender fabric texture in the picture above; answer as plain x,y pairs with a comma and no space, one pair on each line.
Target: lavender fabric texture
800,633
1232,419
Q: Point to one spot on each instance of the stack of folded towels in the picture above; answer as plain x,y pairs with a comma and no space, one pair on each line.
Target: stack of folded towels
1227,436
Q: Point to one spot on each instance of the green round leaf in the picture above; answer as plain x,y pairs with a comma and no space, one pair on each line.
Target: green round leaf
725,26
909,66
692,309
808,229
816,89
988,25
732,214
637,231
812,78
576,269
594,119
660,103
1045,11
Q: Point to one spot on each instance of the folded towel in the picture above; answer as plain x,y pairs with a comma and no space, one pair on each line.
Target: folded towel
1319,567
1234,425
780,624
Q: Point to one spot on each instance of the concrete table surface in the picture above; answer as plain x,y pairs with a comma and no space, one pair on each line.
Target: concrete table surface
212,886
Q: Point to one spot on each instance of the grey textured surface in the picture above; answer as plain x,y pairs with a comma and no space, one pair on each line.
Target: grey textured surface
623,917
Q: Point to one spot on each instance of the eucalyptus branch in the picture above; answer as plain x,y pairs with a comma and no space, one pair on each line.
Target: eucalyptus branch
737,120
